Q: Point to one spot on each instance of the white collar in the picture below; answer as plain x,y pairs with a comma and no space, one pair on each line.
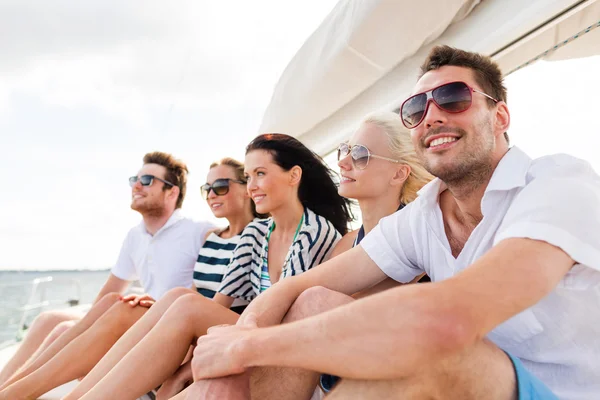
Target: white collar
173,219
510,173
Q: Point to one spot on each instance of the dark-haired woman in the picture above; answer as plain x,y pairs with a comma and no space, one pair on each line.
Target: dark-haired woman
292,184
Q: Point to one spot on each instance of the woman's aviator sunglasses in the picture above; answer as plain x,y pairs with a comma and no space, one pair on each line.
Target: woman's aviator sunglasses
220,187
146,180
453,97
360,155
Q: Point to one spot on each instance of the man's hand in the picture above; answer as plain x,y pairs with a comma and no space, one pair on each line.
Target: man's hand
222,351
134,300
176,383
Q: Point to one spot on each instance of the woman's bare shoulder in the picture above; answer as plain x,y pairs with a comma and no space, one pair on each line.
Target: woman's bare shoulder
345,243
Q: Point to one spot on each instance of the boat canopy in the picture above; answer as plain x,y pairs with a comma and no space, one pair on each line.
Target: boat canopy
365,55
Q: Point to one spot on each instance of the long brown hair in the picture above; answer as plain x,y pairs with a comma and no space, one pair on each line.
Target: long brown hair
317,190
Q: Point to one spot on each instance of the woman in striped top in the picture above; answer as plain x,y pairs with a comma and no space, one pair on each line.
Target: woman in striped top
226,195
308,217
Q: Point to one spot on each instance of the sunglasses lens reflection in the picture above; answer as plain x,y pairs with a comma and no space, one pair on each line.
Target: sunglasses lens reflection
342,151
453,97
146,180
413,110
219,187
360,156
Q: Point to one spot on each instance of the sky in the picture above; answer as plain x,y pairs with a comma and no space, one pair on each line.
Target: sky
87,88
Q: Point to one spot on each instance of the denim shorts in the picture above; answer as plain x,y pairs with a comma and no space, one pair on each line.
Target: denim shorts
529,387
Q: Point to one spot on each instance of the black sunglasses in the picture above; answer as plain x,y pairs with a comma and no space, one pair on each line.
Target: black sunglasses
146,180
453,97
220,187
360,155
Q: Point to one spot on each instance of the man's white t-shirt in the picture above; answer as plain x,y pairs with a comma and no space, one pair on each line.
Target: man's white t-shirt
164,260
555,199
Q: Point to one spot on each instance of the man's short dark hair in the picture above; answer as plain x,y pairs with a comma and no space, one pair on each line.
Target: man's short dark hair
176,172
487,73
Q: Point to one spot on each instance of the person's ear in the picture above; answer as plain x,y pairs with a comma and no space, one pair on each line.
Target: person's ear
295,175
401,175
502,119
174,193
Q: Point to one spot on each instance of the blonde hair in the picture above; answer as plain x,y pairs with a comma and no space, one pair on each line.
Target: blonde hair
402,149
237,166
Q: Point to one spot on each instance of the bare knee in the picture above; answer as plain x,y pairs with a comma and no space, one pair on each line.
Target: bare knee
175,293
188,305
108,299
59,330
196,310
48,320
315,300
121,316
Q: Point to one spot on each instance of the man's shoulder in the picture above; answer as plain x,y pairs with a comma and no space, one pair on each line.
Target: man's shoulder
560,166
135,231
194,225
410,209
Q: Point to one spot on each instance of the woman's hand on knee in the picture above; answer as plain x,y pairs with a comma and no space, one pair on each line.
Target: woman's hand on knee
142,300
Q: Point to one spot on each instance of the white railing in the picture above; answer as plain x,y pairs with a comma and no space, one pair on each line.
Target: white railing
37,300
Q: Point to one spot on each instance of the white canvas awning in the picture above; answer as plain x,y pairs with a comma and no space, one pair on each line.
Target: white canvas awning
365,55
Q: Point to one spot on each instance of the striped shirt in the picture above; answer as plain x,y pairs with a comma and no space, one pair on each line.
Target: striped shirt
213,258
313,245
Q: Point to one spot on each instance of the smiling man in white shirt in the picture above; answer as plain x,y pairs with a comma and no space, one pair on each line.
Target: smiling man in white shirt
160,252
511,244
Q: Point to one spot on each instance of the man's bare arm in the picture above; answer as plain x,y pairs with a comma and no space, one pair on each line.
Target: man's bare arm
347,273
386,335
112,284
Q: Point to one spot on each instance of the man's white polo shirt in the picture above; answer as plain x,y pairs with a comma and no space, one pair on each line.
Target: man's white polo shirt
555,199
165,260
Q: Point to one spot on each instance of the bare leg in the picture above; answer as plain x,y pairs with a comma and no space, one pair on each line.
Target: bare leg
182,395
161,352
79,356
294,383
481,372
54,347
128,341
40,329
235,387
50,339
276,382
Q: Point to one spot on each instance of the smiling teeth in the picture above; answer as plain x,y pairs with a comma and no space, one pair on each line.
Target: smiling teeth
442,140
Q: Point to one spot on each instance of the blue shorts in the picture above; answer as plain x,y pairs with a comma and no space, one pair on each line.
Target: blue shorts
529,387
